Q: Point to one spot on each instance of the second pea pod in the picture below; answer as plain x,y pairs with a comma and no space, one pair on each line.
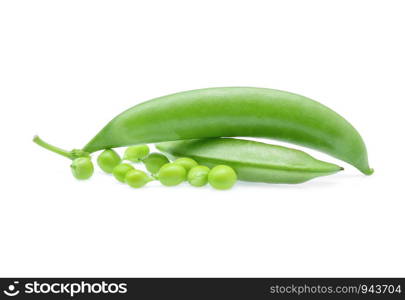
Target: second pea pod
252,161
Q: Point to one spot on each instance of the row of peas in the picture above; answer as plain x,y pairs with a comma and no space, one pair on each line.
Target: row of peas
220,177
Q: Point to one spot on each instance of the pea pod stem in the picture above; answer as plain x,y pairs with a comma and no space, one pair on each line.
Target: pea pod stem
69,154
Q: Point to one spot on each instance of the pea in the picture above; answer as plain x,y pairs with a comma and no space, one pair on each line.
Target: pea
198,176
136,153
137,178
121,170
82,168
172,174
154,161
186,163
108,160
222,177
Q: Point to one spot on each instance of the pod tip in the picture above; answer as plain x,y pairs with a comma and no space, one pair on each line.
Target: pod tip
369,171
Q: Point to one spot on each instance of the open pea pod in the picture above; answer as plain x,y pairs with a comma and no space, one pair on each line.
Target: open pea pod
252,161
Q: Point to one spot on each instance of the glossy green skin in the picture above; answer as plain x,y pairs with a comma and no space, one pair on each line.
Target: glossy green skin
136,153
198,176
222,177
232,112
121,171
171,174
186,162
252,161
82,168
137,178
108,160
154,161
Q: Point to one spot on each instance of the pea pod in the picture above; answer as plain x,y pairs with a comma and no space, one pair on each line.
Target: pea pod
232,112
252,161
236,111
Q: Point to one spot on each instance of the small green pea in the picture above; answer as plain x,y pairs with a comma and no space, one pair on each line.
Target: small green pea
172,174
198,176
121,170
82,168
108,160
222,177
186,163
154,161
137,178
136,153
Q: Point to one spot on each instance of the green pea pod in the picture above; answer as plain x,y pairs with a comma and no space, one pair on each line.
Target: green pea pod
232,112
252,161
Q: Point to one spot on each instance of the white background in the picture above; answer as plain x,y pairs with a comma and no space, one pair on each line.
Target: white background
68,67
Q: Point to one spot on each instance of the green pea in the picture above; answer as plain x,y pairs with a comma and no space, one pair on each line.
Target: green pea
121,170
108,160
136,153
137,178
222,177
82,168
198,176
186,163
154,161
172,174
